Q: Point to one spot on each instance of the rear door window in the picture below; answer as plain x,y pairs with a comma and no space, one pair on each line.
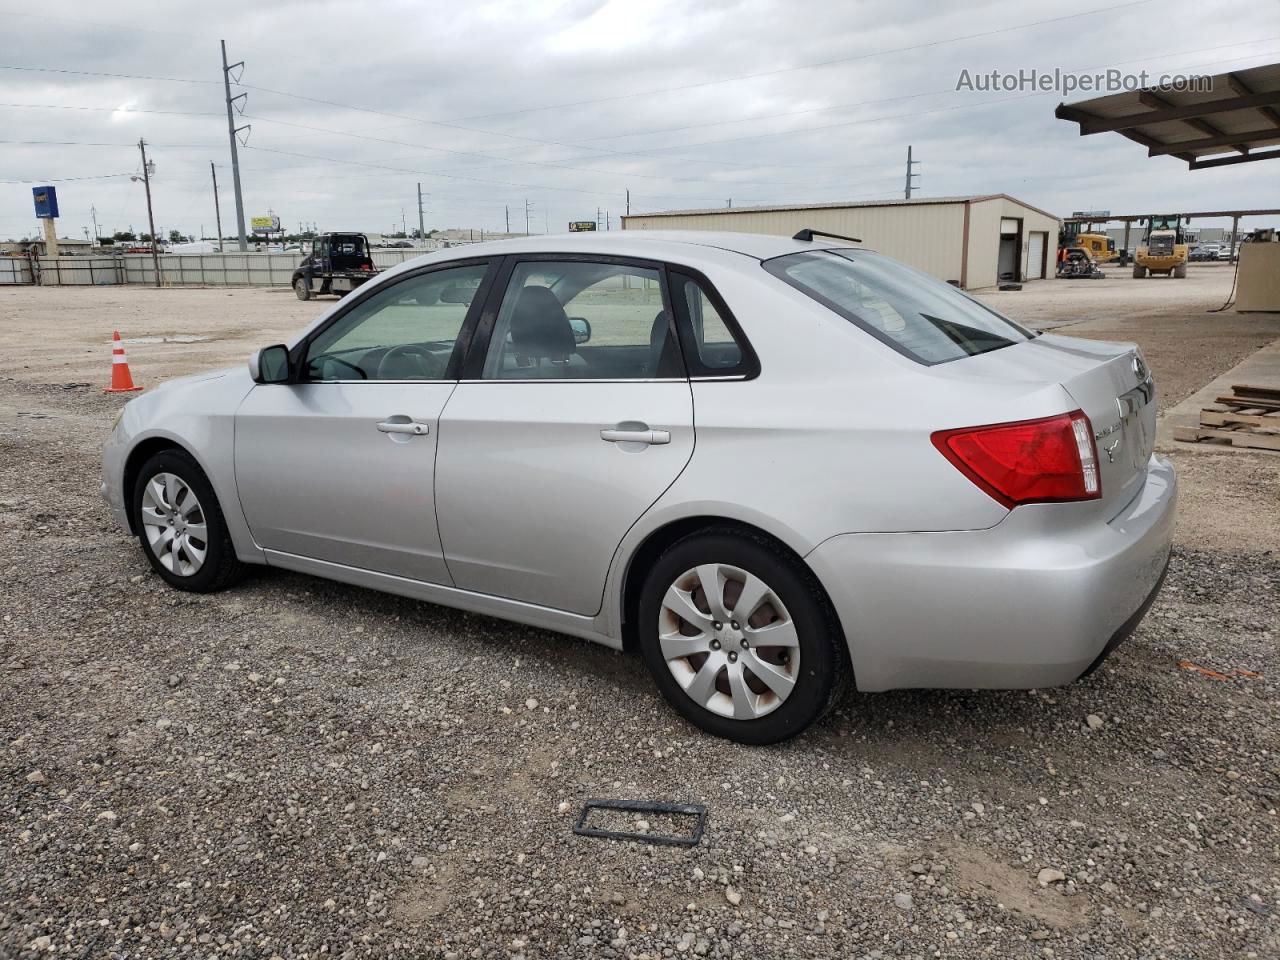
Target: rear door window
583,320
923,318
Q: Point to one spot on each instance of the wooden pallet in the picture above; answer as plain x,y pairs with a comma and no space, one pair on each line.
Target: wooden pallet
1252,419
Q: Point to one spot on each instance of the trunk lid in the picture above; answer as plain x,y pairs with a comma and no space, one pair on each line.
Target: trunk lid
1108,381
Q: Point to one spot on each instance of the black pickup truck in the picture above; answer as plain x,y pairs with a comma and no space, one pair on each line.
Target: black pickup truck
338,264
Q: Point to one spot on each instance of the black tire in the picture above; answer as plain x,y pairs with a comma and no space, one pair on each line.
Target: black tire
1180,271
302,288
220,568
824,667
1139,271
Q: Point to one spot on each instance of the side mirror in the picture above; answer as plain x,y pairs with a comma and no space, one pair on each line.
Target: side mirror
270,365
581,328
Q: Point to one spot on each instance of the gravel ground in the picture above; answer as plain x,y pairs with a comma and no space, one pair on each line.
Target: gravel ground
296,768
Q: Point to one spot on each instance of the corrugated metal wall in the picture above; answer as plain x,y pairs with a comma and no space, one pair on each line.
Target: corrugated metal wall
929,236
984,238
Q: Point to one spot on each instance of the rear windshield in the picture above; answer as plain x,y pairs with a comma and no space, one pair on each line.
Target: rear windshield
929,321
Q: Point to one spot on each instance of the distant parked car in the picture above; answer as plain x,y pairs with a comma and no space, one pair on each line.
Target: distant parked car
891,482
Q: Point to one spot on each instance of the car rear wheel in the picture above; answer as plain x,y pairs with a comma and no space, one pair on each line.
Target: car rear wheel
181,526
302,288
740,639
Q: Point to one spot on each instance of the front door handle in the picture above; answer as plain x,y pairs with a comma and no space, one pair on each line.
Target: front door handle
614,435
411,427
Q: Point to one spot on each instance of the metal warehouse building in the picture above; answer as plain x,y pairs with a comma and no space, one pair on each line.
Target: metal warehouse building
973,241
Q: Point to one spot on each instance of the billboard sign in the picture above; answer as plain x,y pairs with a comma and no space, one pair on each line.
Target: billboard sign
46,199
581,226
265,224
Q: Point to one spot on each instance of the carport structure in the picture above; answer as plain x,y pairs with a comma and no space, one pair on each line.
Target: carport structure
1228,123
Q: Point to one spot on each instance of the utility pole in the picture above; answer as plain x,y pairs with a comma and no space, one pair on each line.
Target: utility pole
628,201
506,209
910,172
404,224
527,207
422,228
232,130
217,208
151,221
597,218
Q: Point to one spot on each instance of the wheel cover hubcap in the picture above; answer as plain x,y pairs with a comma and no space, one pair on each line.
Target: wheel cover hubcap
174,524
729,641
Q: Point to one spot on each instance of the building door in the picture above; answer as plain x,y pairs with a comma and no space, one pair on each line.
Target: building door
1037,245
1010,261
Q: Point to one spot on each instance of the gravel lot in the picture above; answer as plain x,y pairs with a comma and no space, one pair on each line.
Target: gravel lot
296,768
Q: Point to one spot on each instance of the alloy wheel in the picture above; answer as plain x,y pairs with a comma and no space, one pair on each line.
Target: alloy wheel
729,642
174,523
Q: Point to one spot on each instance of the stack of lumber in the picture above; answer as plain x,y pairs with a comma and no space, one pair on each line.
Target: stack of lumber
1251,419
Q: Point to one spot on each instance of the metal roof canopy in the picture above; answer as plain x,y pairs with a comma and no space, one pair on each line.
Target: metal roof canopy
1237,115
1202,214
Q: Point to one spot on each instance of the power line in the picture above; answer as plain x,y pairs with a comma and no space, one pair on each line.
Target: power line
64,106
917,113
809,66
100,176
94,73
529,162
506,183
907,96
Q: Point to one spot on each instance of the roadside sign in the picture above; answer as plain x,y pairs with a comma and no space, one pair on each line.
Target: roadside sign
581,226
265,224
46,199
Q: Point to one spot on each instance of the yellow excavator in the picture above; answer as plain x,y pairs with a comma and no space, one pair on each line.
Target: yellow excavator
1164,248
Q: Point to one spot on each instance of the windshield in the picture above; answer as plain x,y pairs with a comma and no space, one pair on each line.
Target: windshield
929,321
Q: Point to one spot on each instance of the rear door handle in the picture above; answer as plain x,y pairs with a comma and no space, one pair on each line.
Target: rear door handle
614,435
412,427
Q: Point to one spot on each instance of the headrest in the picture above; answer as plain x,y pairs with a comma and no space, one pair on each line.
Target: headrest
539,326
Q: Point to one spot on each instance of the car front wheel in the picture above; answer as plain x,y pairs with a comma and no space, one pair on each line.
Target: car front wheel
740,639
181,526
302,288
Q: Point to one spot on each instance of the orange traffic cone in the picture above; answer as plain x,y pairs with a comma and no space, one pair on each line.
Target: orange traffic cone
121,379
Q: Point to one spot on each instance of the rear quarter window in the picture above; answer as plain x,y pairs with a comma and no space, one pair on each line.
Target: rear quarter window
927,320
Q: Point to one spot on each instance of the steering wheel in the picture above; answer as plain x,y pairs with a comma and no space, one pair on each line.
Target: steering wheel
408,361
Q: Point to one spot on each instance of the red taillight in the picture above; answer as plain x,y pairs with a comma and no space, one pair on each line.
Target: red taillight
365,266
1030,461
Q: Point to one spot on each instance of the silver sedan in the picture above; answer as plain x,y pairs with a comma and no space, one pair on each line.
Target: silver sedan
772,466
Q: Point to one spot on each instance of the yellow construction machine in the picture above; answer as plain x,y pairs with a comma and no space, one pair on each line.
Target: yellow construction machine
1164,248
1098,247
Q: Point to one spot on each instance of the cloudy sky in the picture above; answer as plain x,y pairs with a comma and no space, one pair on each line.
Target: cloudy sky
569,104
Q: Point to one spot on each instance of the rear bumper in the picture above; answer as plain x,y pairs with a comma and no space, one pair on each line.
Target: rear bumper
1037,600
